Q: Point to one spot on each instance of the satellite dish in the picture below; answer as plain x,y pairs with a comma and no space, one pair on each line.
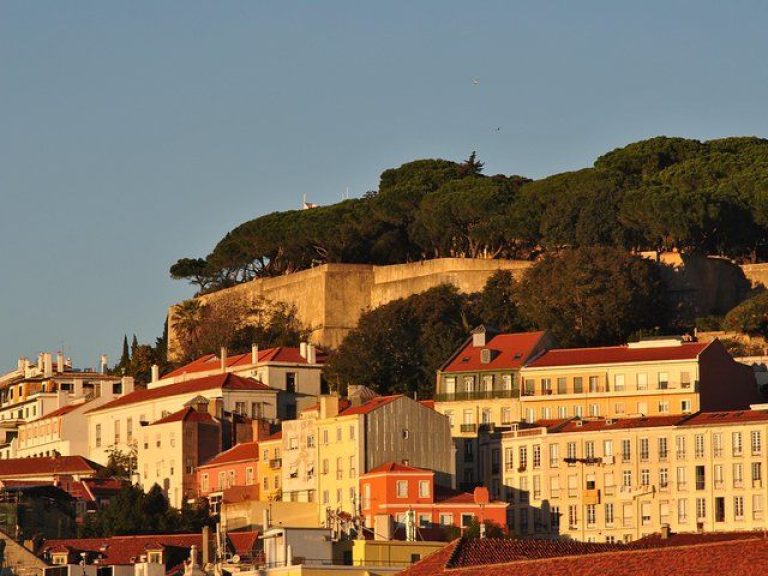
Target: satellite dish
236,559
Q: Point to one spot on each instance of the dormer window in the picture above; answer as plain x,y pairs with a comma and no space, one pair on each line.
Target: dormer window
59,559
155,557
485,356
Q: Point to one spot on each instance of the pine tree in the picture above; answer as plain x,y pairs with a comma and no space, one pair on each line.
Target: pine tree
134,345
125,358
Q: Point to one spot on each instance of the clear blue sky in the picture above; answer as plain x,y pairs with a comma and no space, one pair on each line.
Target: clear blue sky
134,133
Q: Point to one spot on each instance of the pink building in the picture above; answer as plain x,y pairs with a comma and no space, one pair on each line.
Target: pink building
235,467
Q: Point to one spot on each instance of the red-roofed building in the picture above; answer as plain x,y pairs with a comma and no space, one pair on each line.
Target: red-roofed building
234,467
391,491
742,555
326,450
122,424
295,371
172,447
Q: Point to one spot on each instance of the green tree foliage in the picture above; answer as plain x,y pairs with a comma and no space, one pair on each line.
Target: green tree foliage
496,305
750,317
236,324
119,464
396,348
592,296
134,512
492,530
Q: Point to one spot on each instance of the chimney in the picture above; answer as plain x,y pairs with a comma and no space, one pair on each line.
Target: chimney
47,365
329,407
254,353
40,362
311,354
103,362
60,363
155,372
303,350
22,364
126,385
665,532
478,337
223,359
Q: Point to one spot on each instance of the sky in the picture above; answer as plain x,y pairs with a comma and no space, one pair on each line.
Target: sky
136,133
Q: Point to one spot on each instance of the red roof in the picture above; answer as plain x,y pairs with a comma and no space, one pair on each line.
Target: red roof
395,467
58,412
371,405
738,556
217,381
122,550
732,417
208,362
46,465
598,424
508,351
188,414
238,453
243,543
617,355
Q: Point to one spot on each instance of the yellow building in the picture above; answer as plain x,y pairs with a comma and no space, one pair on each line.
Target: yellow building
269,469
608,480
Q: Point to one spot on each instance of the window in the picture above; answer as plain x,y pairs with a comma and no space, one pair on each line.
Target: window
642,381
311,441
738,475
718,475
578,385
738,507
562,386
352,467
506,415
325,466
450,384
682,510
594,383
528,387
326,497
645,513
663,478
699,445
351,432
523,457
546,413
248,476
571,451
402,488
530,415
578,411
685,406
546,386
757,474
446,519
642,408
485,416
562,411
663,407
573,518
290,382
644,449
98,435
618,382
537,487
129,430
554,455
609,514
117,431
205,483
619,408
757,506
685,379
339,468
256,410
594,410
537,456
680,447
717,444
293,443
626,450
591,515
240,408
700,478
338,434
506,381
662,448
626,478
591,482
719,509
645,477
736,443
607,447
424,491
756,442
663,380
701,508
589,449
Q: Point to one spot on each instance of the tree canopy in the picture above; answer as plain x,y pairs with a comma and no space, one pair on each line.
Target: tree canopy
657,194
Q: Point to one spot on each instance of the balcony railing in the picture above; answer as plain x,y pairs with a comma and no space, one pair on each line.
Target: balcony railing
478,395
468,428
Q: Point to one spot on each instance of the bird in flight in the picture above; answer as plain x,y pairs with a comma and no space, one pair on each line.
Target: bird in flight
475,81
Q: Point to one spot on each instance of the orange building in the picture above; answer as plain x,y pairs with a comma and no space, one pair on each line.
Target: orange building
235,467
394,489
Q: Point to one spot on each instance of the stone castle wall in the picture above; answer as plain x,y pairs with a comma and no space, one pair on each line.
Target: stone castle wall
330,298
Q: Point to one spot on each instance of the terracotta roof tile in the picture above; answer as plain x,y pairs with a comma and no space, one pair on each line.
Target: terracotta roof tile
238,453
732,417
598,424
221,381
123,550
395,467
371,405
617,355
508,351
21,467
188,414
208,362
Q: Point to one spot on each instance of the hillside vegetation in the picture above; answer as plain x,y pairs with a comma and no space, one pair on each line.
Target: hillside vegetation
659,194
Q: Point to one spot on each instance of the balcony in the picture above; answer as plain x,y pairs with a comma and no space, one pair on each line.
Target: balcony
478,395
468,428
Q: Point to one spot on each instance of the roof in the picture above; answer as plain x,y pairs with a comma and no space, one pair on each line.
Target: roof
226,381
238,453
123,550
508,351
731,417
208,362
243,542
739,555
58,412
395,467
370,406
617,355
600,424
187,414
21,467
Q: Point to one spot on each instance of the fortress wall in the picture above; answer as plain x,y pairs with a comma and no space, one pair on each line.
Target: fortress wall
757,274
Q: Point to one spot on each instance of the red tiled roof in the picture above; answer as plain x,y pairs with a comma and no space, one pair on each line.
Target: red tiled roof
598,424
222,381
428,404
238,453
207,362
46,465
725,555
371,405
395,467
445,495
275,436
617,355
188,414
732,417
122,550
508,351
